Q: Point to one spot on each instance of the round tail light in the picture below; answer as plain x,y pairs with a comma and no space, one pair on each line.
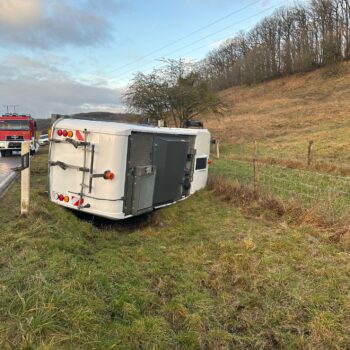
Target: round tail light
65,133
108,175
61,197
59,132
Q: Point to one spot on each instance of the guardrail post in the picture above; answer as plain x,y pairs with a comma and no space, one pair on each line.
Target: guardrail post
25,177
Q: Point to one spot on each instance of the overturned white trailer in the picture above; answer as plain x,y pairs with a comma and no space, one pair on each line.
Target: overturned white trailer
119,170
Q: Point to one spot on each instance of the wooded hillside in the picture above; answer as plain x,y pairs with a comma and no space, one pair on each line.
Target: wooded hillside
293,39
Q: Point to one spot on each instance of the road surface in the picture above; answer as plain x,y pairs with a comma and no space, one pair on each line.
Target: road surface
6,174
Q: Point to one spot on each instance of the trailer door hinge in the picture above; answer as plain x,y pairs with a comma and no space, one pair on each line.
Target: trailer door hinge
65,166
75,143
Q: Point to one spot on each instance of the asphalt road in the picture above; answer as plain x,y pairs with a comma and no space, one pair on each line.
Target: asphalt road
6,174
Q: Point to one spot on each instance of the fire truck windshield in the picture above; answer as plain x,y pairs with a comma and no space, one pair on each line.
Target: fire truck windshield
14,125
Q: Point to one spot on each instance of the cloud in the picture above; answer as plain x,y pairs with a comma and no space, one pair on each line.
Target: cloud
19,12
103,6
49,24
42,89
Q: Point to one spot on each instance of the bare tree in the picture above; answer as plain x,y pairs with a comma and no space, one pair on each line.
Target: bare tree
147,94
175,91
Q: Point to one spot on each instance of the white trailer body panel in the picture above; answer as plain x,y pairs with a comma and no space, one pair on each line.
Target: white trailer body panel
105,197
200,174
108,148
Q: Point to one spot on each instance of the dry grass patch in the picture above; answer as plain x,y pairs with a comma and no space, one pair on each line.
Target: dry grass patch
274,209
284,114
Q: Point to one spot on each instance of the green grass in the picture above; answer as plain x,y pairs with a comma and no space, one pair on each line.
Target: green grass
197,275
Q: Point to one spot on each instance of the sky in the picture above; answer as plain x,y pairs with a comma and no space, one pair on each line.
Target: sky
71,56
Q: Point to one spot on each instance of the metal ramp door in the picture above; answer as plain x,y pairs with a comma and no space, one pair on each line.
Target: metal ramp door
169,158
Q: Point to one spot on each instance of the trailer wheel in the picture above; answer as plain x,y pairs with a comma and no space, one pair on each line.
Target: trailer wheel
3,154
32,152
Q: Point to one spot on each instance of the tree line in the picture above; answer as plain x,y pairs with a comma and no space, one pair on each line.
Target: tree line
293,39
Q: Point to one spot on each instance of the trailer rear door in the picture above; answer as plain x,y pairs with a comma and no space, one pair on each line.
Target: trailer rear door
77,168
170,156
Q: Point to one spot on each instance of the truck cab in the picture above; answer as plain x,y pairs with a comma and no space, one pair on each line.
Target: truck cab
14,129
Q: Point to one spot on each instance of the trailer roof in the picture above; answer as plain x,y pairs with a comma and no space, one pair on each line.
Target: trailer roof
115,128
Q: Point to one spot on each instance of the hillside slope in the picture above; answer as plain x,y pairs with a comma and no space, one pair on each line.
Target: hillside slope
284,114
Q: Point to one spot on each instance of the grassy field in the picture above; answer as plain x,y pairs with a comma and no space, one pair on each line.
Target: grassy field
284,114
201,274
328,193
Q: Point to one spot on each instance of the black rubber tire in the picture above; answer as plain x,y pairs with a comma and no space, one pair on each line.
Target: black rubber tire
3,154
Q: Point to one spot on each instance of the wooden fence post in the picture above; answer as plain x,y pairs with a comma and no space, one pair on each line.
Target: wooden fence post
216,143
25,177
217,146
256,169
309,152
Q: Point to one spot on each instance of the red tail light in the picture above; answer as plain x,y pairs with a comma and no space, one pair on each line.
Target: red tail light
59,132
65,133
108,175
61,197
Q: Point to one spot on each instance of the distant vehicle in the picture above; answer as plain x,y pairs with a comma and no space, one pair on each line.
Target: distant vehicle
14,129
117,170
43,140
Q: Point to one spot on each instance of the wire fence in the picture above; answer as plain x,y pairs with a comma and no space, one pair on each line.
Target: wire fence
328,193
318,154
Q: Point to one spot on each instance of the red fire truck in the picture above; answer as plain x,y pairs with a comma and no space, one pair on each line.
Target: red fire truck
14,129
